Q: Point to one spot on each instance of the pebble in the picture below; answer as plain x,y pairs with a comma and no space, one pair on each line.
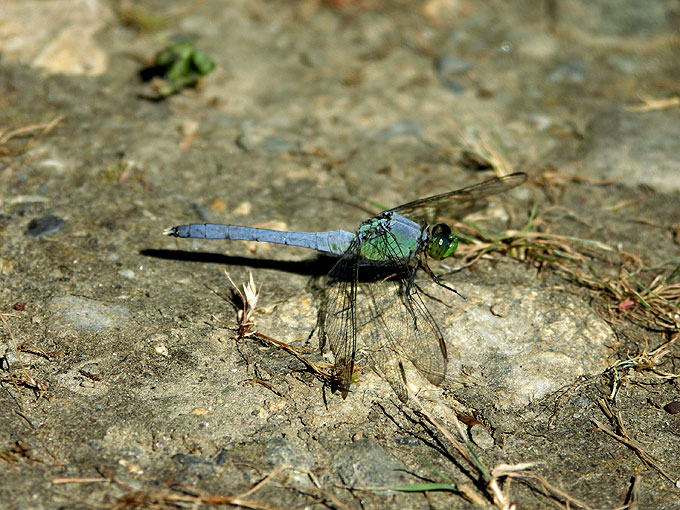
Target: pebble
44,226
573,71
481,436
405,128
282,452
672,407
254,141
449,66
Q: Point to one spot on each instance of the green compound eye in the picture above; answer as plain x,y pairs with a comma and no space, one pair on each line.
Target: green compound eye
442,242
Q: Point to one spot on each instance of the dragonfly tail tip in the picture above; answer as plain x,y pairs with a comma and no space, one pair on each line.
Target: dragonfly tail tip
172,231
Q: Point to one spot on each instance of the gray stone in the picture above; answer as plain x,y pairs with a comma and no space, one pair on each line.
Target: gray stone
448,66
88,314
512,347
365,463
404,128
45,225
572,71
282,452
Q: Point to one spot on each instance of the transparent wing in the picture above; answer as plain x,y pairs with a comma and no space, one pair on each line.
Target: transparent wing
371,300
459,200
400,327
337,317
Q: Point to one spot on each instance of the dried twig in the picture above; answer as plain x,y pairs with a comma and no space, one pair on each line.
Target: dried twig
621,435
193,497
26,377
497,480
42,129
246,328
650,104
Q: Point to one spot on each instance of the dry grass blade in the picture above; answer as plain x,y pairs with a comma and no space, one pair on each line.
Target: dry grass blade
37,131
317,368
496,481
550,490
527,244
621,435
657,305
651,104
249,297
268,385
464,450
634,493
316,489
26,377
193,498
622,370
58,481
481,154
507,473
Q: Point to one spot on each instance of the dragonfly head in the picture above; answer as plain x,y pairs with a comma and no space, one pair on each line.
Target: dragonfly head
442,242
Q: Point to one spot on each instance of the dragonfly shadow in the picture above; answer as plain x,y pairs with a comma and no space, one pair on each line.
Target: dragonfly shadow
315,266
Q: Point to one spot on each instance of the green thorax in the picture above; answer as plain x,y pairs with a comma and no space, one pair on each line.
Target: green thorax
393,236
389,237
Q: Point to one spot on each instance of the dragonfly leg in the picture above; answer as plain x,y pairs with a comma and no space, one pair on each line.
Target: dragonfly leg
435,278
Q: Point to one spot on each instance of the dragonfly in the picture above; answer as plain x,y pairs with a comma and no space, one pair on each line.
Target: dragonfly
371,293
